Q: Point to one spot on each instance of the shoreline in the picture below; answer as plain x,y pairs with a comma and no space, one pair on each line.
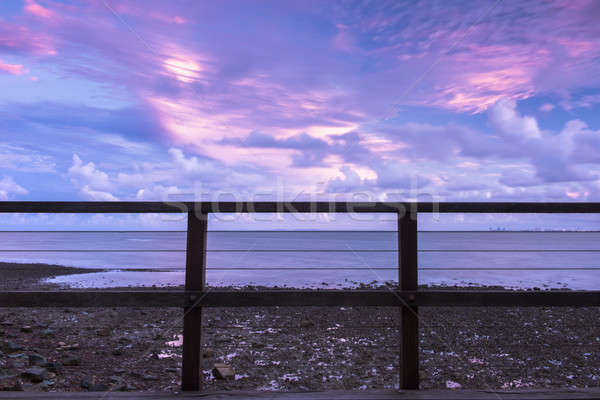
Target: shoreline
296,348
29,275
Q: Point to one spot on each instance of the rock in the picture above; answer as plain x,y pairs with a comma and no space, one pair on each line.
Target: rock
35,374
37,359
18,360
11,347
119,371
71,361
171,370
48,333
116,380
258,345
10,383
87,382
117,352
47,385
63,346
26,329
149,378
126,388
124,340
223,371
103,332
208,353
453,385
306,323
55,366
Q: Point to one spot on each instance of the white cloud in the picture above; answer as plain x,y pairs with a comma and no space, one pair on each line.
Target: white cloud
8,187
93,184
88,175
159,192
506,119
350,182
189,165
123,143
24,160
97,195
395,175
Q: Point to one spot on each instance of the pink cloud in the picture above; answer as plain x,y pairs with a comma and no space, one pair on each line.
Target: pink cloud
14,69
36,9
343,40
480,77
21,38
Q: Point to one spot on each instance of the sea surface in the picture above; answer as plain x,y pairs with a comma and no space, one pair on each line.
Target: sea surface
331,259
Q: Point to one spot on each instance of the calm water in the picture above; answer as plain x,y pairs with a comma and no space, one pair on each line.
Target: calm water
277,258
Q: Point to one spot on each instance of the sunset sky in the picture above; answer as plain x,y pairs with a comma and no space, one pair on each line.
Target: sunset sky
143,100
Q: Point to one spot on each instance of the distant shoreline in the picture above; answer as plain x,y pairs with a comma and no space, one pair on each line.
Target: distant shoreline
28,275
35,276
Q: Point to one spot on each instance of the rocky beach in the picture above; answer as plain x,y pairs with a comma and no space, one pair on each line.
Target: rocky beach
284,348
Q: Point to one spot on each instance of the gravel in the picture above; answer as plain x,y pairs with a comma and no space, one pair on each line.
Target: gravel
302,348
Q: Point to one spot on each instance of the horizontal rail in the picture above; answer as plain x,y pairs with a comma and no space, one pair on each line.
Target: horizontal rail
293,207
298,298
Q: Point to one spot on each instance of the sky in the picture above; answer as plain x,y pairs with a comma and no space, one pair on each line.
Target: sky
298,100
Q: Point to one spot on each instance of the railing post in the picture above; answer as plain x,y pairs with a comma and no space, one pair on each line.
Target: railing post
195,279
408,280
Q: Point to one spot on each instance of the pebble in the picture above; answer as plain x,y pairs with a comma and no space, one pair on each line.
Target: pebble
124,340
35,374
47,384
26,329
103,332
48,333
223,371
54,366
87,382
453,385
37,359
306,323
64,346
126,388
11,347
208,353
71,361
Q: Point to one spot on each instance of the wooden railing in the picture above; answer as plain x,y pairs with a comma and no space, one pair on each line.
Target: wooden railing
406,296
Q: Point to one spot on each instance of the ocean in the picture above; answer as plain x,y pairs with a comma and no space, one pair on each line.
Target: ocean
331,259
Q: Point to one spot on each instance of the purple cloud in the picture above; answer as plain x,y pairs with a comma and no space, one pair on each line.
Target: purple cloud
312,91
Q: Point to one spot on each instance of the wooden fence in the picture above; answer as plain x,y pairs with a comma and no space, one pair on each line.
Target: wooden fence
407,297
